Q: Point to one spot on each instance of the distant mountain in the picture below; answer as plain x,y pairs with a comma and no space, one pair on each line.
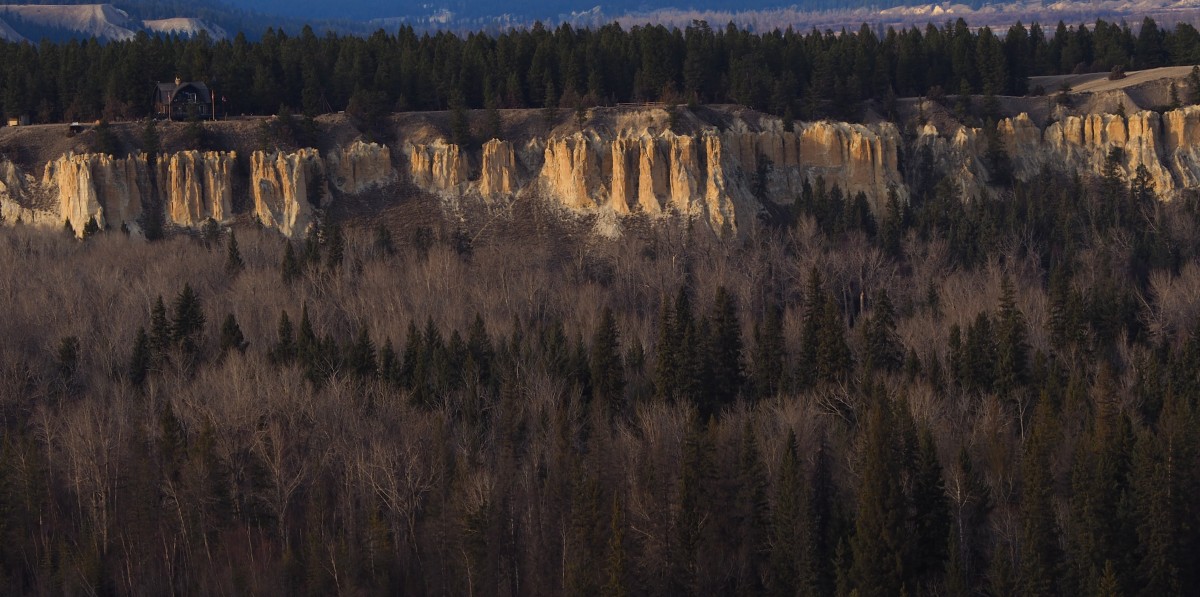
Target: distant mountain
102,21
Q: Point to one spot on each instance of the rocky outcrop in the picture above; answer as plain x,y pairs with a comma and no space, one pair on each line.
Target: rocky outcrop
1166,146
286,187
360,167
96,186
18,201
498,169
708,174
438,166
195,186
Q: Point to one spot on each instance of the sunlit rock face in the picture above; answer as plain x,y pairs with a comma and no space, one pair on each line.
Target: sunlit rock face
718,177
285,187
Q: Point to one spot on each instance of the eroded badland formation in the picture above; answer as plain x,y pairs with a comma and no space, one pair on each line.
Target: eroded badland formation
721,166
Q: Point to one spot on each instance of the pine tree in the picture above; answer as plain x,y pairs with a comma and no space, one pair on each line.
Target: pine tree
1040,558
233,261
607,371
361,359
290,268
231,335
480,351
412,355
931,516
750,513
160,331
666,352
810,337
616,585
770,354
383,241
188,322
307,343
884,352
1164,487
691,524
90,228
1103,532
833,355
1194,86
878,541
284,351
1012,354
389,363
141,359
725,351
787,524
337,247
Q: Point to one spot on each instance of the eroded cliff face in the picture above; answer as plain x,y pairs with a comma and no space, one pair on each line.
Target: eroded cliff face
720,177
438,166
360,167
191,186
498,169
1167,146
286,187
110,190
195,186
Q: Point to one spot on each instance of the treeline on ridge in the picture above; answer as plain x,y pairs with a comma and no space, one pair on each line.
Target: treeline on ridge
787,73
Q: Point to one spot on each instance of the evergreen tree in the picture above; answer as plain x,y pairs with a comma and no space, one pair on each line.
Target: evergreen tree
233,260
290,268
884,352
607,372
769,355
878,541
1163,483
361,359
1012,346
160,331
141,359
666,351
695,513
787,524
284,351
1040,557
390,368
231,335
188,321
337,247
750,513
90,228
833,355
725,352
617,583
930,516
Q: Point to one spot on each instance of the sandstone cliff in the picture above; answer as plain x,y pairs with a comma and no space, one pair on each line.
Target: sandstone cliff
1167,146
708,174
437,166
18,203
195,186
110,190
359,167
286,187
498,169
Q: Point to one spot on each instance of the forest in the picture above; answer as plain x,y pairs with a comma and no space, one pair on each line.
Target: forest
942,398
787,73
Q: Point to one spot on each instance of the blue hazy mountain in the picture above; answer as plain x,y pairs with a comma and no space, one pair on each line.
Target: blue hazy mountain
466,10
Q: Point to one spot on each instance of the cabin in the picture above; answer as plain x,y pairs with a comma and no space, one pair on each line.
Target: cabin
182,100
